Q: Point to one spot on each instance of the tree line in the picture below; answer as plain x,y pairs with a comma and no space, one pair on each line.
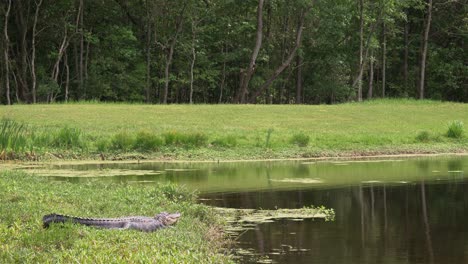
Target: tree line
232,51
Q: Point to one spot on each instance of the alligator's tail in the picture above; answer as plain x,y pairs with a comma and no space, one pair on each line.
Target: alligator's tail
104,223
55,218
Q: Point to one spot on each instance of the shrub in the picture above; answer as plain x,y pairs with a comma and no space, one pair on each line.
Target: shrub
227,142
68,137
122,141
300,139
423,136
147,141
455,129
12,135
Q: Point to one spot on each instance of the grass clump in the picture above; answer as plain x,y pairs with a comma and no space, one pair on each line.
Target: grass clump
25,199
300,139
174,138
147,142
229,141
12,136
455,129
122,141
423,136
68,137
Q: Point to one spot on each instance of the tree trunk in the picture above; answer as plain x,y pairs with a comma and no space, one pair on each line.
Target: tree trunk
406,55
384,58
371,75
170,55
63,47
22,78
67,72
148,54
86,64
81,79
223,78
286,63
258,43
424,50
192,64
361,48
299,80
358,79
33,53
6,55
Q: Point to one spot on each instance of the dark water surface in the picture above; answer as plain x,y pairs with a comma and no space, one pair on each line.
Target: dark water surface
387,211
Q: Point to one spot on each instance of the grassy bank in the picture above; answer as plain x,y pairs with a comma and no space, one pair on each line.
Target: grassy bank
133,131
25,199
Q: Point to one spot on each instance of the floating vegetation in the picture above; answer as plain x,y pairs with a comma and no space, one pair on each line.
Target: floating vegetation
308,162
299,180
371,182
246,217
92,173
180,170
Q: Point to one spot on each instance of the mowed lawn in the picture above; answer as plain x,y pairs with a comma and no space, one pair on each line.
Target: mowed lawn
387,126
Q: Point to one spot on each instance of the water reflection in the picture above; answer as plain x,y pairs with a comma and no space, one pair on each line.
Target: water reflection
416,223
387,211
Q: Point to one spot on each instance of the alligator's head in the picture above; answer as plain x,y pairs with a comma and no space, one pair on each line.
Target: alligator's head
168,219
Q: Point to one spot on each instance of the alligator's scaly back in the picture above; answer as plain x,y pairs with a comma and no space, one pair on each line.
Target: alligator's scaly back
141,223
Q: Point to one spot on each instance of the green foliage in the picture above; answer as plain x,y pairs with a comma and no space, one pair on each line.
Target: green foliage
300,139
423,136
122,141
174,138
455,129
229,141
12,135
147,141
102,145
68,137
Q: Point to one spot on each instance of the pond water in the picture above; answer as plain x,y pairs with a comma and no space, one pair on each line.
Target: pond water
387,211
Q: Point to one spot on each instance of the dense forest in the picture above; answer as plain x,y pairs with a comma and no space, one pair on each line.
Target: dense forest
232,51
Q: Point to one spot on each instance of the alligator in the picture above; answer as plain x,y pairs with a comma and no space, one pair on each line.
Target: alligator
140,223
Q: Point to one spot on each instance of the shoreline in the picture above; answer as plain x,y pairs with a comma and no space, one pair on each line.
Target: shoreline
176,161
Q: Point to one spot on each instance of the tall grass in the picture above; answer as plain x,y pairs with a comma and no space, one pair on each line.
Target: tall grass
175,138
147,141
300,139
68,137
455,129
13,136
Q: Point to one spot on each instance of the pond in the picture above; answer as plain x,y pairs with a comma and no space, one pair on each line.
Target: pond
387,210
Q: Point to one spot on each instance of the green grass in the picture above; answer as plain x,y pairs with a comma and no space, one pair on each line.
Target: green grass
25,199
455,129
248,131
